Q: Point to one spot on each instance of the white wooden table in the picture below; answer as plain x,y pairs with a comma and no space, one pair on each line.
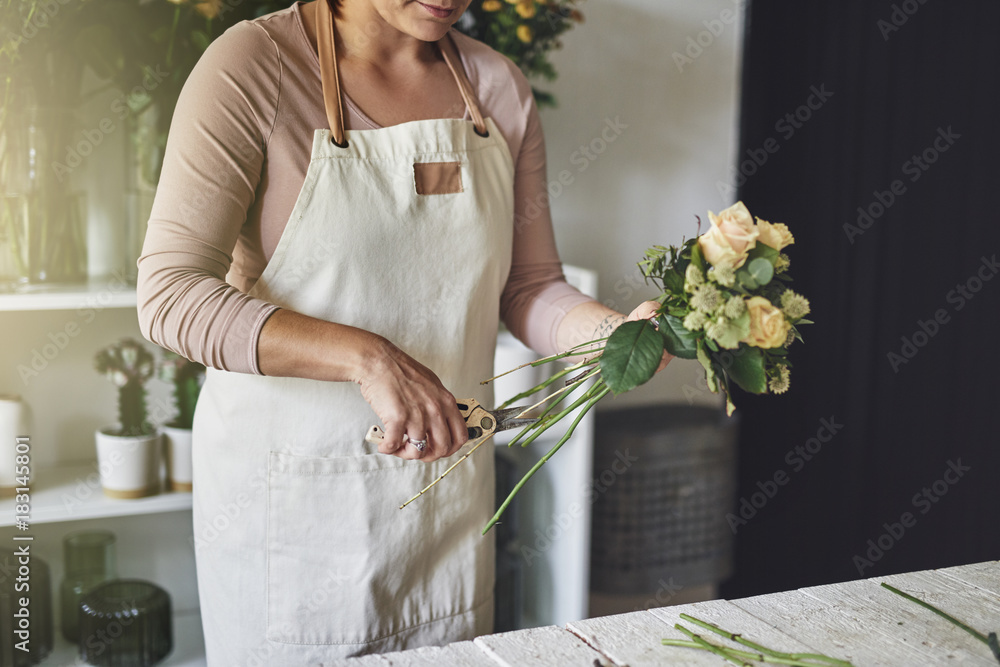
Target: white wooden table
858,621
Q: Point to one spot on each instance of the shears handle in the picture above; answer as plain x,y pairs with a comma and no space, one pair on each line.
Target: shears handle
478,422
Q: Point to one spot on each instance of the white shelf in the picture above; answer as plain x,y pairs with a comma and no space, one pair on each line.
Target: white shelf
108,292
73,492
189,645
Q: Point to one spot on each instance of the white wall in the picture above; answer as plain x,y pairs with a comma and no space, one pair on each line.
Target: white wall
657,173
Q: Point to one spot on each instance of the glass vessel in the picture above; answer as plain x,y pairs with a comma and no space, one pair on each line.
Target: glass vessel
125,623
90,561
43,235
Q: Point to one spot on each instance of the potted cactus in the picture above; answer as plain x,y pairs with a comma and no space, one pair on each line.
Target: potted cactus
186,378
128,454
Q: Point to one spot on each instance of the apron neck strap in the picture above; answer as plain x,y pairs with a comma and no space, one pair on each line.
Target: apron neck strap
327,48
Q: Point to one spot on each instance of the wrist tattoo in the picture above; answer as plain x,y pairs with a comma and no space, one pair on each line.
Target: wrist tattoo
607,325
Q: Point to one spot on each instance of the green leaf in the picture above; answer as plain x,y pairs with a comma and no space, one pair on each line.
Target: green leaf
764,251
761,270
745,279
678,340
746,368
697,258
631,356
673,282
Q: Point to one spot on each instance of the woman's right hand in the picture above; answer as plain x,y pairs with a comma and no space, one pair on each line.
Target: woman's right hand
410,400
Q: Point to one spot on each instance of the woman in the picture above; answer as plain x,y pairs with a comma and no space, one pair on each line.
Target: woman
340,277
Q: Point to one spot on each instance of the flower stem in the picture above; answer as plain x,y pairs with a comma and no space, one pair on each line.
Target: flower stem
712,648
544,384
740,639
926,605
450,468
571,352
593,395
569,387
740,657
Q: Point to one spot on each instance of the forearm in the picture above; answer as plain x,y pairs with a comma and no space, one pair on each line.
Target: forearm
295,345
586,322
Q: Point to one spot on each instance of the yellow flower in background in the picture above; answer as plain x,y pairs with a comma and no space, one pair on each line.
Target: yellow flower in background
768,326
524,34
492,5
775,235
208,8
526,9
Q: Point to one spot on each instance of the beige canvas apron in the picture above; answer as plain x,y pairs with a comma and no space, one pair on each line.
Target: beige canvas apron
302,553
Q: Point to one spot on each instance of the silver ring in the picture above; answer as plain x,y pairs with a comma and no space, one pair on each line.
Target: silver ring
421,445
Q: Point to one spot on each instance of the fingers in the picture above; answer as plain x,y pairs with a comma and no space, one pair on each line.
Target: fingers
644,311
415,407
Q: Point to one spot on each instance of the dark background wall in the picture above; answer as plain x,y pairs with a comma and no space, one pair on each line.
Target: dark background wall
892,462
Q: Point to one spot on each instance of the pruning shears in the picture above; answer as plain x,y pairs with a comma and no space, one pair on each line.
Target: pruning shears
479,421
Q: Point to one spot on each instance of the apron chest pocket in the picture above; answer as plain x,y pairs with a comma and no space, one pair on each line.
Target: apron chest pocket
345,565
437,178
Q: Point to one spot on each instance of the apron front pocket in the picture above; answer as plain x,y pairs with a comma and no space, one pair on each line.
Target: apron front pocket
346,566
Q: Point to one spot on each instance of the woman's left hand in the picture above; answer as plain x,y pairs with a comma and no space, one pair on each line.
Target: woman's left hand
647,311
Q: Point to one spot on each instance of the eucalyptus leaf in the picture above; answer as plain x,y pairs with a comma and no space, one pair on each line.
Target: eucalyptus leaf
761,270
631,356
678,340
746,279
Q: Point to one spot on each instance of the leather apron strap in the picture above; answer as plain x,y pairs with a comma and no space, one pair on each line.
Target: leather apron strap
326,45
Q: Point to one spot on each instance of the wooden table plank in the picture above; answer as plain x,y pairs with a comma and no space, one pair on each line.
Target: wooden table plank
985,576
900,621
734,619
633,639
832,628
459,654
541,647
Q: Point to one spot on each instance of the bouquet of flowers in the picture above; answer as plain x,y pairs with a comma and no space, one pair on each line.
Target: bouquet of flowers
724,300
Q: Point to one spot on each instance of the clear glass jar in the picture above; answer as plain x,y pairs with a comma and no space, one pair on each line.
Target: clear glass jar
42,219
90,560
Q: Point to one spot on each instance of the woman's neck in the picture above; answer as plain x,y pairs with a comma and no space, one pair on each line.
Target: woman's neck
364,37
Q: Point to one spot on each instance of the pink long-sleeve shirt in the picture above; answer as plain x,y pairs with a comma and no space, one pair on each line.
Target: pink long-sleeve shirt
239,146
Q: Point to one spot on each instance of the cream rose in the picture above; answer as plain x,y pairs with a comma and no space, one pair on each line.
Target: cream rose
731,236
768,326
775,235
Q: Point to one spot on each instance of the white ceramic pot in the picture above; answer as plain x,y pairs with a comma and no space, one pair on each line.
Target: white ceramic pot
177,446
13,423
129,465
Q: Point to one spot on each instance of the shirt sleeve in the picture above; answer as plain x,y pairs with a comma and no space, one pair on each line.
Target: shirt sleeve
211,170
536,297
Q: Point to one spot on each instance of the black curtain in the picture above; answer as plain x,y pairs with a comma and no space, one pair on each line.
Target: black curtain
871,129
